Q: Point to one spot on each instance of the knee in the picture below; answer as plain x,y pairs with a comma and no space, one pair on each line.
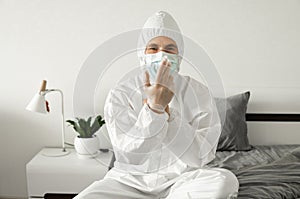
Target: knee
229,182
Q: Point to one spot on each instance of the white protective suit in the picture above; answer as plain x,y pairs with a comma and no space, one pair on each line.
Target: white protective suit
157,155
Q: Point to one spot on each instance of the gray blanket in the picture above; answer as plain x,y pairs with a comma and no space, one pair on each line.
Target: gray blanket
265,171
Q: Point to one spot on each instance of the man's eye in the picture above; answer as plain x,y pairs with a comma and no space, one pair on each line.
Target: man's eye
171,50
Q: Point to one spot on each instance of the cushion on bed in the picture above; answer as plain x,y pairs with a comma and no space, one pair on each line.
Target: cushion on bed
234,131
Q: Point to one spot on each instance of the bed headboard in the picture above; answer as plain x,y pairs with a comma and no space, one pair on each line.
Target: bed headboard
273,128
272,117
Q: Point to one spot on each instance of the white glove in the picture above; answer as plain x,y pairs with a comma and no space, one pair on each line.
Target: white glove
161,93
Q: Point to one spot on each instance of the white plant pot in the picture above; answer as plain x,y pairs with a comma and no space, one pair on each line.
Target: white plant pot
87,146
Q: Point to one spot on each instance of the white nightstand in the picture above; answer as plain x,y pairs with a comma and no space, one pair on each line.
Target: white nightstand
64,175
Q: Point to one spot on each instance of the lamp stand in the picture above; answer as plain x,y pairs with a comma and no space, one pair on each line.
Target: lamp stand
56,152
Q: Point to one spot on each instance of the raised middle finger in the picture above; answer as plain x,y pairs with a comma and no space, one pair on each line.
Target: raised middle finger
163,71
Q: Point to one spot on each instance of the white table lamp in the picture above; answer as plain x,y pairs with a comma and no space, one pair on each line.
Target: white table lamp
40,105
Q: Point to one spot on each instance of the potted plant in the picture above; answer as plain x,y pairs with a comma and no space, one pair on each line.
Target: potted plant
87,143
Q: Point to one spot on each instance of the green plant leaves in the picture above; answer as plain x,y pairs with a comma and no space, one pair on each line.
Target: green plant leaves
98,122
75,126
84,127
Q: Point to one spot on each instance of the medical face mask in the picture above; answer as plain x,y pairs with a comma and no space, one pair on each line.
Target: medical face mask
152,62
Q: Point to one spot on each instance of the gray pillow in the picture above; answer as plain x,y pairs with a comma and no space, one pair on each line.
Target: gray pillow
234,132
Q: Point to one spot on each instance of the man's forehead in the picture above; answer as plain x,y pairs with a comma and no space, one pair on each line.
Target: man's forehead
166,44
162,40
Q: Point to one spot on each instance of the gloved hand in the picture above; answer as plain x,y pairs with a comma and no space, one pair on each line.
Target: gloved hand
167,109
161,93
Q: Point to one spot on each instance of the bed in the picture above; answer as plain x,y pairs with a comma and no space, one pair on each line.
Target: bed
264,171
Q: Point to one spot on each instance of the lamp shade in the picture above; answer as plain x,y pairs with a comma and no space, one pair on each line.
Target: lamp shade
37,104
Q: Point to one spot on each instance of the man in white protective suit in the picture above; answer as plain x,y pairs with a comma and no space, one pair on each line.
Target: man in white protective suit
164,127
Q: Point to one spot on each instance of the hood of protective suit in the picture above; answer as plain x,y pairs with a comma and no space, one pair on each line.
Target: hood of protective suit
160,24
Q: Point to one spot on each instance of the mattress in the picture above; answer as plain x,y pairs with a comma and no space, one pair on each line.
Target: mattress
271,171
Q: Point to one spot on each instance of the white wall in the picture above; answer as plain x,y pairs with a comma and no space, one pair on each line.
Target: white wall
254,44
